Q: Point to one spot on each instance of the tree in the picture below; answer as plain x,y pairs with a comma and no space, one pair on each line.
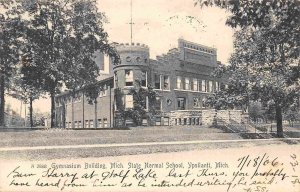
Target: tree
63,36
139,110
92,92
27,82
11,27
255,111
291,116
265,63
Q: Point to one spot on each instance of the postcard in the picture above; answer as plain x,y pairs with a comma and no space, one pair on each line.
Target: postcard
136,95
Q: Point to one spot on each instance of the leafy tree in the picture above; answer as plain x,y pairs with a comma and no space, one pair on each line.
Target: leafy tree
11,27
92,92
265,63
31,84
291,116
64,36
139,110
27,82
38,118
255,111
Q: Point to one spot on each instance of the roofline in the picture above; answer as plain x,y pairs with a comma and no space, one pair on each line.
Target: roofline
67,92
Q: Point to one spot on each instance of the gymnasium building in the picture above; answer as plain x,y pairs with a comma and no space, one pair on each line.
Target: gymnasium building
181,78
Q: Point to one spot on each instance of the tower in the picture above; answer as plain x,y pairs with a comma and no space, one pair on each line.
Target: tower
132,73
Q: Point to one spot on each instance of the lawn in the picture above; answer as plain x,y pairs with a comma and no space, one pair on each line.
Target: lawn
133,135
61,137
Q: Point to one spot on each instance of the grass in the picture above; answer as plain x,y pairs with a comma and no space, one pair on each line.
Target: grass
49,154
58,137
134,135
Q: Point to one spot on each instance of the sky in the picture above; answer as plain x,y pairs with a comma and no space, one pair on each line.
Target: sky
159,24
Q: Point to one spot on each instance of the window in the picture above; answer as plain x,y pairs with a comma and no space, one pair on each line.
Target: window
128,77
116,79
91,123
104,90
158,121
76,124
179,82
199,85
195,84
196,102
221,86
101,92
157,81
145,104
210,86
104,122
77,98
144,122
193,121
165,120
87,125
203,102
158,104
166,82
128,101
99,123
79,124
144,79
187,84
217,86
128,59
181,103
203,87
184,121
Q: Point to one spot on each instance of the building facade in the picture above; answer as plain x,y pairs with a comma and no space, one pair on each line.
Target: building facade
182,79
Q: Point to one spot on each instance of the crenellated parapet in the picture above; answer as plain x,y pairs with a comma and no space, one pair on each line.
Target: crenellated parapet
133,71
133,54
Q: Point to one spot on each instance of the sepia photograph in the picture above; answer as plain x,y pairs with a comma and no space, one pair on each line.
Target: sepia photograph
138,95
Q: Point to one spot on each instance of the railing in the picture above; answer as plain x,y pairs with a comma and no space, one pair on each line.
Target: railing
262,128
232,125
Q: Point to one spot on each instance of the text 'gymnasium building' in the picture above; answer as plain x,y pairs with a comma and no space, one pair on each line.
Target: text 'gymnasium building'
181,78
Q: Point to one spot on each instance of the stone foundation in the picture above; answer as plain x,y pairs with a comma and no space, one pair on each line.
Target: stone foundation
207,117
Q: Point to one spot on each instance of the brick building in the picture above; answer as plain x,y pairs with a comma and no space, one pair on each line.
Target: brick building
182,79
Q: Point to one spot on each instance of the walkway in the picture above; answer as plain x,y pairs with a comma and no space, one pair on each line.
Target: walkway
141,144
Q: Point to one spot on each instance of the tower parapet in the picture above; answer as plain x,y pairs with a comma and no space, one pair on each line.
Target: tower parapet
133,54
134,67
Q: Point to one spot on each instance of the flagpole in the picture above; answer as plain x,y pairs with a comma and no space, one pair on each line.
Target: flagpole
131,23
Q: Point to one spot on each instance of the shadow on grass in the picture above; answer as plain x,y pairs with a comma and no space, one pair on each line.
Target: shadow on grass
99,129
254,136
224,128
24,129
245,135
17,129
